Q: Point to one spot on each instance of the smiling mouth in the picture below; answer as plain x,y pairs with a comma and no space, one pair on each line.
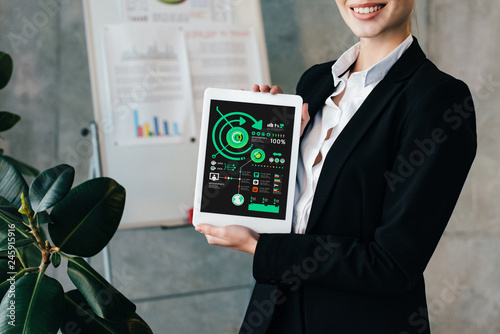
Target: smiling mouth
367,10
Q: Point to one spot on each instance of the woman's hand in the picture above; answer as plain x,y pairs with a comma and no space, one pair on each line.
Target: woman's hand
266,89
277,90
233,236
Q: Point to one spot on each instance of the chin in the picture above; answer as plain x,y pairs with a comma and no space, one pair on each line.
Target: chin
369,31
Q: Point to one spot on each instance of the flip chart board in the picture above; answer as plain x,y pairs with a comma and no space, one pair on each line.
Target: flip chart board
150,62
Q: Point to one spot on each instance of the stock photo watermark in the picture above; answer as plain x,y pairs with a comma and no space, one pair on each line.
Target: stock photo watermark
85,314
437,306
426,147
32,25
293,278
11,266
485,87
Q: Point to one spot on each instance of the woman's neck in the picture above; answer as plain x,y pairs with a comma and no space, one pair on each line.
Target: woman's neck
373,50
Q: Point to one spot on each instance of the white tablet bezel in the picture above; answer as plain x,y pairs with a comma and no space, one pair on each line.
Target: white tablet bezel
260,225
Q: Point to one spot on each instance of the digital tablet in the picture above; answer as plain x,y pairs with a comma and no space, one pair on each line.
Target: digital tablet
247,161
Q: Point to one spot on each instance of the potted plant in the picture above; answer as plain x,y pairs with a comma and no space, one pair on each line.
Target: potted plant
81,222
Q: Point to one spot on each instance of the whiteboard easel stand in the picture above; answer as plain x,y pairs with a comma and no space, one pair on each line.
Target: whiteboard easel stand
95,170
99,15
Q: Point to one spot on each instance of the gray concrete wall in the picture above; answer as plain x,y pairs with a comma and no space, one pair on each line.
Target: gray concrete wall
464,41
182,285
50,88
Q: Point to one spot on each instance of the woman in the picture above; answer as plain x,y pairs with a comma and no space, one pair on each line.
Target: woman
388,140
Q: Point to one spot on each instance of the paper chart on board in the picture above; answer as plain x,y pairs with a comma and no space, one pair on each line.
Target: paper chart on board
221,57
150,87
178,11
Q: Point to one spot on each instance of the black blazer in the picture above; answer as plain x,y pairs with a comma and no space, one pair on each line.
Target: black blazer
386,192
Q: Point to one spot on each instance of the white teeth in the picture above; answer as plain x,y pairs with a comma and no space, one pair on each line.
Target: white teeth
367,10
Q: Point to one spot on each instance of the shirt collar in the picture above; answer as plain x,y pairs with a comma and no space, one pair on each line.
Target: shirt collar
373,74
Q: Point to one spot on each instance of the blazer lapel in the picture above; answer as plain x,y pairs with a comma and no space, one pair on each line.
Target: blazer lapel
374,104
316,99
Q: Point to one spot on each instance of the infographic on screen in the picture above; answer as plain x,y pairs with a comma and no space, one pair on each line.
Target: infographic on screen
247,163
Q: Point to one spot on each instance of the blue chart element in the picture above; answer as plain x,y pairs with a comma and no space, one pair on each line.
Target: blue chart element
136,121
157,128
154,128
165,125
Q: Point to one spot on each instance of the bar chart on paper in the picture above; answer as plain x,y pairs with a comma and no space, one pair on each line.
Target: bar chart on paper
155,127
151,96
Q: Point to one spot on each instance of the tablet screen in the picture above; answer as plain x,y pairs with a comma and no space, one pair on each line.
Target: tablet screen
247,161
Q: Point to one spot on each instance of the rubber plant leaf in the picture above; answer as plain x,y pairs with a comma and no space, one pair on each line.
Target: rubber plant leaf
50,187
103,298
78,315
39,302
87,218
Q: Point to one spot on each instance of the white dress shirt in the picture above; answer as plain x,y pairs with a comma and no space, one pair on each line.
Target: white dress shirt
357,87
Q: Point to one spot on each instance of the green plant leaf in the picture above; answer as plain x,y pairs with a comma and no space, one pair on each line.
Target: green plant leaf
5,267
50,187
55,259
39,302
103,298
87,218
12,184
6,67
43,218
18,242
9,216
21,231
4,202
79,318
4,286
23,168
30,255
9,210
8,120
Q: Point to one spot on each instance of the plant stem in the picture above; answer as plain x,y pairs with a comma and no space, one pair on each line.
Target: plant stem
35,231
45,252
26,270
20,258
29,270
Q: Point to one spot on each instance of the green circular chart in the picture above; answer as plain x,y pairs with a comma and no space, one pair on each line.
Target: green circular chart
238,199
231,134
258,155
237,137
